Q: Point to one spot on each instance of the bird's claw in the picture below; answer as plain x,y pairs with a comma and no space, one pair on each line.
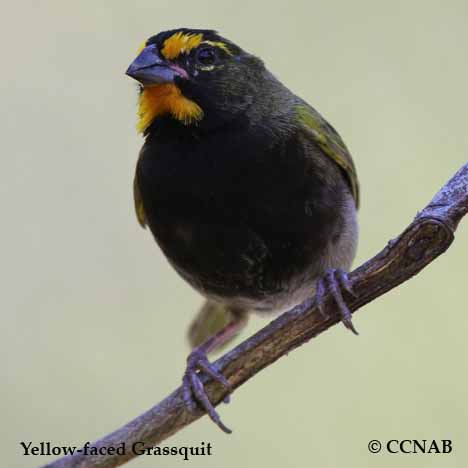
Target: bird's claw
334,281
194,391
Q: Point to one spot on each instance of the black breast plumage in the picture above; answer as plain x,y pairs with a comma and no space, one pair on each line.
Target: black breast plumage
238,212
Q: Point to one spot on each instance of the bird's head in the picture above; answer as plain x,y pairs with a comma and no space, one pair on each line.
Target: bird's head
193,76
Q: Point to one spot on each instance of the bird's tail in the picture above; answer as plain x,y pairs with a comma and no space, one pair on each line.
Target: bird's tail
212,318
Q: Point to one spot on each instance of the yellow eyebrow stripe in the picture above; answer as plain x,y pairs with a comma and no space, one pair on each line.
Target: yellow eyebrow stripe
183,43
180,43
219,44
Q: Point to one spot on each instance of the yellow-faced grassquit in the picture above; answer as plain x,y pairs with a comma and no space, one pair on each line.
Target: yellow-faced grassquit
248,191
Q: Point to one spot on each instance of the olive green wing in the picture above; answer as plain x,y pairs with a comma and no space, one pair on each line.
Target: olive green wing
139,209
328,140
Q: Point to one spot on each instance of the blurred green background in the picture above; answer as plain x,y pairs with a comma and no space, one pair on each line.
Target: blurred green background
93,319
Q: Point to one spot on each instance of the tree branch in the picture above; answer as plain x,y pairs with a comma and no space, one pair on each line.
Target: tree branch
428,236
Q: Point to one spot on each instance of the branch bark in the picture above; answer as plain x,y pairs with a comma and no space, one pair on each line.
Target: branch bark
427,237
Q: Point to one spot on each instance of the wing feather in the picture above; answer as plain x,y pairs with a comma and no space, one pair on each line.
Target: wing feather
139,209
326,137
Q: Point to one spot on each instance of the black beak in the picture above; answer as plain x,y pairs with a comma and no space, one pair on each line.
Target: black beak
149,69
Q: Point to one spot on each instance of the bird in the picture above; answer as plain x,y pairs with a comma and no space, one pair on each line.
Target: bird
250,193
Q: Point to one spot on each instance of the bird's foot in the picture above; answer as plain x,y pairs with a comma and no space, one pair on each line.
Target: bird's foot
194,391
333,282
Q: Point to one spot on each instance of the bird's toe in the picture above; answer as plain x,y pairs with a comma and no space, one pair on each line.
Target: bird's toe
334,281
193,387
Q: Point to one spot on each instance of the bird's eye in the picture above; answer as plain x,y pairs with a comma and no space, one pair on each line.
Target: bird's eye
206,56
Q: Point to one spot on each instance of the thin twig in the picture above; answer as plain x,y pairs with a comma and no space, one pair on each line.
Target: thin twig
428,236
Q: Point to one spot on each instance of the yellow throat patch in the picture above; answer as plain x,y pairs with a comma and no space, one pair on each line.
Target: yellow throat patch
163,99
